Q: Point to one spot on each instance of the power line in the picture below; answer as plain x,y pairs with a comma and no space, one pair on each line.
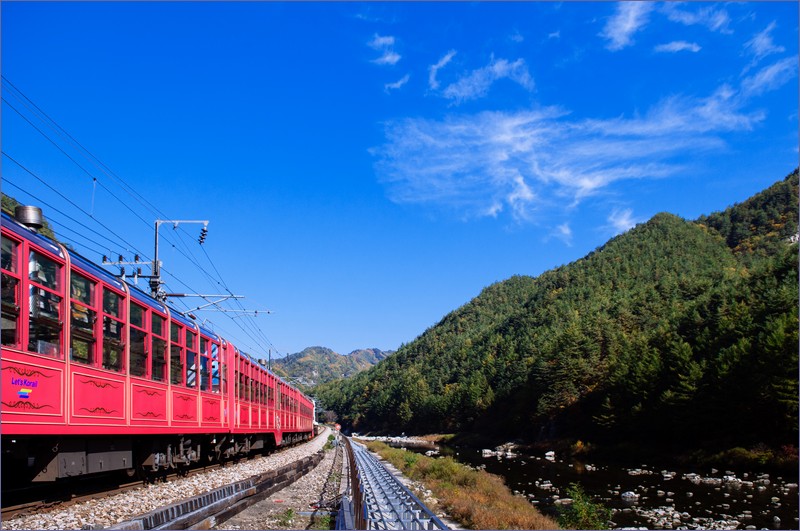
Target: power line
179,247
55,209
9,157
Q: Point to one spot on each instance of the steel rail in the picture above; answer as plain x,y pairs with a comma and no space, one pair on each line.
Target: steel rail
378,500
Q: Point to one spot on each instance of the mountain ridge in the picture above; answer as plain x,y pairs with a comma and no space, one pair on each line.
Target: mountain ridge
315,365
634,340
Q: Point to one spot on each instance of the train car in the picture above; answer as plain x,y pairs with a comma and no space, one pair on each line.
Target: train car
99,376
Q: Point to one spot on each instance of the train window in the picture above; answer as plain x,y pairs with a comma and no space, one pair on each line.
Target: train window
191,369
223,371
138,352
112,331
175,365
82,289
176,354
158,325
137,315
191,358
159,350
44,333
215,368
43,271
8,257
112,303
205,352
82,319
159,360
137,360
10,293
205,382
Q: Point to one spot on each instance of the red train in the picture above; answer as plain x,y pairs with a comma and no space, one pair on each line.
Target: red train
99,376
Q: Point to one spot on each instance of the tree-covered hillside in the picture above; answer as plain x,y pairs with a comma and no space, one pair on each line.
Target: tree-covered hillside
680,330
316,365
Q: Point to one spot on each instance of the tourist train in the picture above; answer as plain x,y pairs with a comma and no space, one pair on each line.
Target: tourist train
99,376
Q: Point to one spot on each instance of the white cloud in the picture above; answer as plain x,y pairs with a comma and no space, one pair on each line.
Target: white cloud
397,84
378,42
388,58
554,35
478,82
384,44
761,45
621,220
629,18
714,18
434,69
770,77
564,233
534,165
678,46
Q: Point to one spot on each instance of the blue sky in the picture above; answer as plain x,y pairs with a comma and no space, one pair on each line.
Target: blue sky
366,168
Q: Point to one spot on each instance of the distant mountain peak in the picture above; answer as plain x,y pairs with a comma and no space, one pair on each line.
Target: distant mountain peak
315,365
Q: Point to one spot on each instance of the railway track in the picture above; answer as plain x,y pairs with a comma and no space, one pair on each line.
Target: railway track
107,505
55,497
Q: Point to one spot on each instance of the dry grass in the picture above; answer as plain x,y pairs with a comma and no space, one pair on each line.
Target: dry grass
476,499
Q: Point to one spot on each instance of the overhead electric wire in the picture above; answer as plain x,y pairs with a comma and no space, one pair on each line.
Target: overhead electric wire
87,172
254,327
55,209
131,191
9,157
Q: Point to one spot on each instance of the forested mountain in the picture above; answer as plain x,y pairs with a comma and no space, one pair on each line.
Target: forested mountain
316,365
676,331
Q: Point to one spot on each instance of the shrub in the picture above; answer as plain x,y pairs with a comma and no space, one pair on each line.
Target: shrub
583,513
476,499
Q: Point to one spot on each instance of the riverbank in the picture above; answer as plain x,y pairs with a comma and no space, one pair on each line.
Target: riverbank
476,499
762,457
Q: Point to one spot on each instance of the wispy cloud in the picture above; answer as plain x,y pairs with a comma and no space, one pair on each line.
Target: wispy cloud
761,45
433,83
385,45
712,17
537,164
397,84
678,46
770,77
478,82
621,220
629,18
564,233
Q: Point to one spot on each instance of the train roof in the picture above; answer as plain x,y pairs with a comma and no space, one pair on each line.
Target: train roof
84,263
29,234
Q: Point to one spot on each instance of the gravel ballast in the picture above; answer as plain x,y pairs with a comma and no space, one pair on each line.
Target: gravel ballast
105,512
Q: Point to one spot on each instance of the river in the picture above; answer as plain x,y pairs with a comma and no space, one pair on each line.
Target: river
649,496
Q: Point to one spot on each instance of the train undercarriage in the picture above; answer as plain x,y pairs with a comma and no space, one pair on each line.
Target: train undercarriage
28,459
